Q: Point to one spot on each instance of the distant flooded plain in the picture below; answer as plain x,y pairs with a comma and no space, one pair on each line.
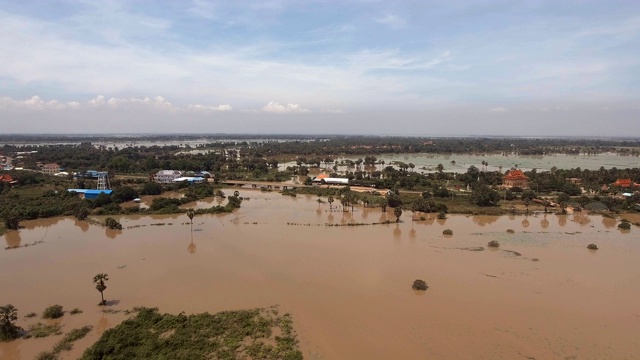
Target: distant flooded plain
541,295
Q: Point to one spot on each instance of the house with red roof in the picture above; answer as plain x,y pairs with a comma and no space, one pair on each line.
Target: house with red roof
515,178
625,183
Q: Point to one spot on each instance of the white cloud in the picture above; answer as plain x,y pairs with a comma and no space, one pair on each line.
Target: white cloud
499,109
100,101
393,21
276,107
199,107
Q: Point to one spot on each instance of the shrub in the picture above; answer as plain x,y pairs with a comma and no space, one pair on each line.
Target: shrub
419,285
447,232
53,312
624,225
45,355
75,311
511,231
493,244
112,223
40,330
442,215
592,247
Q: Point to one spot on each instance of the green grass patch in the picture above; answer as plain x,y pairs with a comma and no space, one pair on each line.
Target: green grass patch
40,330
256,334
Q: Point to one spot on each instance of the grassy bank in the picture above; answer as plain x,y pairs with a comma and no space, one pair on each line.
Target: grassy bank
256,334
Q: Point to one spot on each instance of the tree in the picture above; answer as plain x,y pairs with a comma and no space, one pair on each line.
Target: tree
485,196
99,280
563,201
191,214
393,199
440,168
397,212
526,202
112,223
583,201
8,329
330,201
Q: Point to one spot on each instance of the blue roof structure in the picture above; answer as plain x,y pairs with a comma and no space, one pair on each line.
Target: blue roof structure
90,193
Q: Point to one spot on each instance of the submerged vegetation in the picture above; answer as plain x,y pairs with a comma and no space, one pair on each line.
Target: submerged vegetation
257,334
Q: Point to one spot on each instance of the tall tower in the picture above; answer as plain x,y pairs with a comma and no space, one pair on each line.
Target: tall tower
103,181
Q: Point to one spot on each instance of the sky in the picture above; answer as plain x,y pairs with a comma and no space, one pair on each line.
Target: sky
362,67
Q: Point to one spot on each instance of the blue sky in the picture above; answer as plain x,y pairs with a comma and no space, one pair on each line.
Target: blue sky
528,68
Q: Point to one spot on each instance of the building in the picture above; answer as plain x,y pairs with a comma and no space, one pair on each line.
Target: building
166,176
625,183
515,178
329,180
50,169
6,178
575,181
189,179
90,193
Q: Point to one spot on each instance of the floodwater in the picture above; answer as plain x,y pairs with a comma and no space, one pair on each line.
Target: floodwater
460,163
541,295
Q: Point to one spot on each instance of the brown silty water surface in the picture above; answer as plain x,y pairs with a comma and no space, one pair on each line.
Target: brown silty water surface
541,295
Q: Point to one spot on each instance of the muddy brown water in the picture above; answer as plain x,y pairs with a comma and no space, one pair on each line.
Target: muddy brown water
541,295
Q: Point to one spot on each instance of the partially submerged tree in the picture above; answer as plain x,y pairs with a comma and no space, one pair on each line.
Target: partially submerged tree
8,329
99,280
397,212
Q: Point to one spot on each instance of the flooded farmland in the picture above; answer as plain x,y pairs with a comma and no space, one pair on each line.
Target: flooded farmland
541,295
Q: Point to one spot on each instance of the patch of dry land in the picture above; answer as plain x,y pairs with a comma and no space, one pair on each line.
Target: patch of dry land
540,295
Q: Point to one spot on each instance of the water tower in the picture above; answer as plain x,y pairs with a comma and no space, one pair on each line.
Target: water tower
103,181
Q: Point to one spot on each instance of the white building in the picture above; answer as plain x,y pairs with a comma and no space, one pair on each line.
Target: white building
167,176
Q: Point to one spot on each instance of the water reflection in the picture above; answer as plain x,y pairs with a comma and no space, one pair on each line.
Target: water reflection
525,223
562,220
608,222
13,239
581,218
11,350
397,233
112,233
544,222
483,220
83,225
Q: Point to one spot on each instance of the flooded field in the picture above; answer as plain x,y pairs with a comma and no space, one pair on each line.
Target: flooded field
459,163
541,295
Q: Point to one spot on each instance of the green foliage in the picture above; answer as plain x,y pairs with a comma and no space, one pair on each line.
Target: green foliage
8,329
624,225
75,311
46,355
397,212
40,330
112,223
484,196
151,188
419,285
124,193
53,312
81,212
393,200
98,281
447,232
225,335
493,244
592,247
441,192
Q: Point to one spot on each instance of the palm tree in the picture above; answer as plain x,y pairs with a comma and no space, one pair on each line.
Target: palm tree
330,201
191,214
8,329
99,280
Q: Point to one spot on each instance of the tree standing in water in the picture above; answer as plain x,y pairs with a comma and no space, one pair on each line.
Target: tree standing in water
8,329
330,201
99,280
191,214
397,212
